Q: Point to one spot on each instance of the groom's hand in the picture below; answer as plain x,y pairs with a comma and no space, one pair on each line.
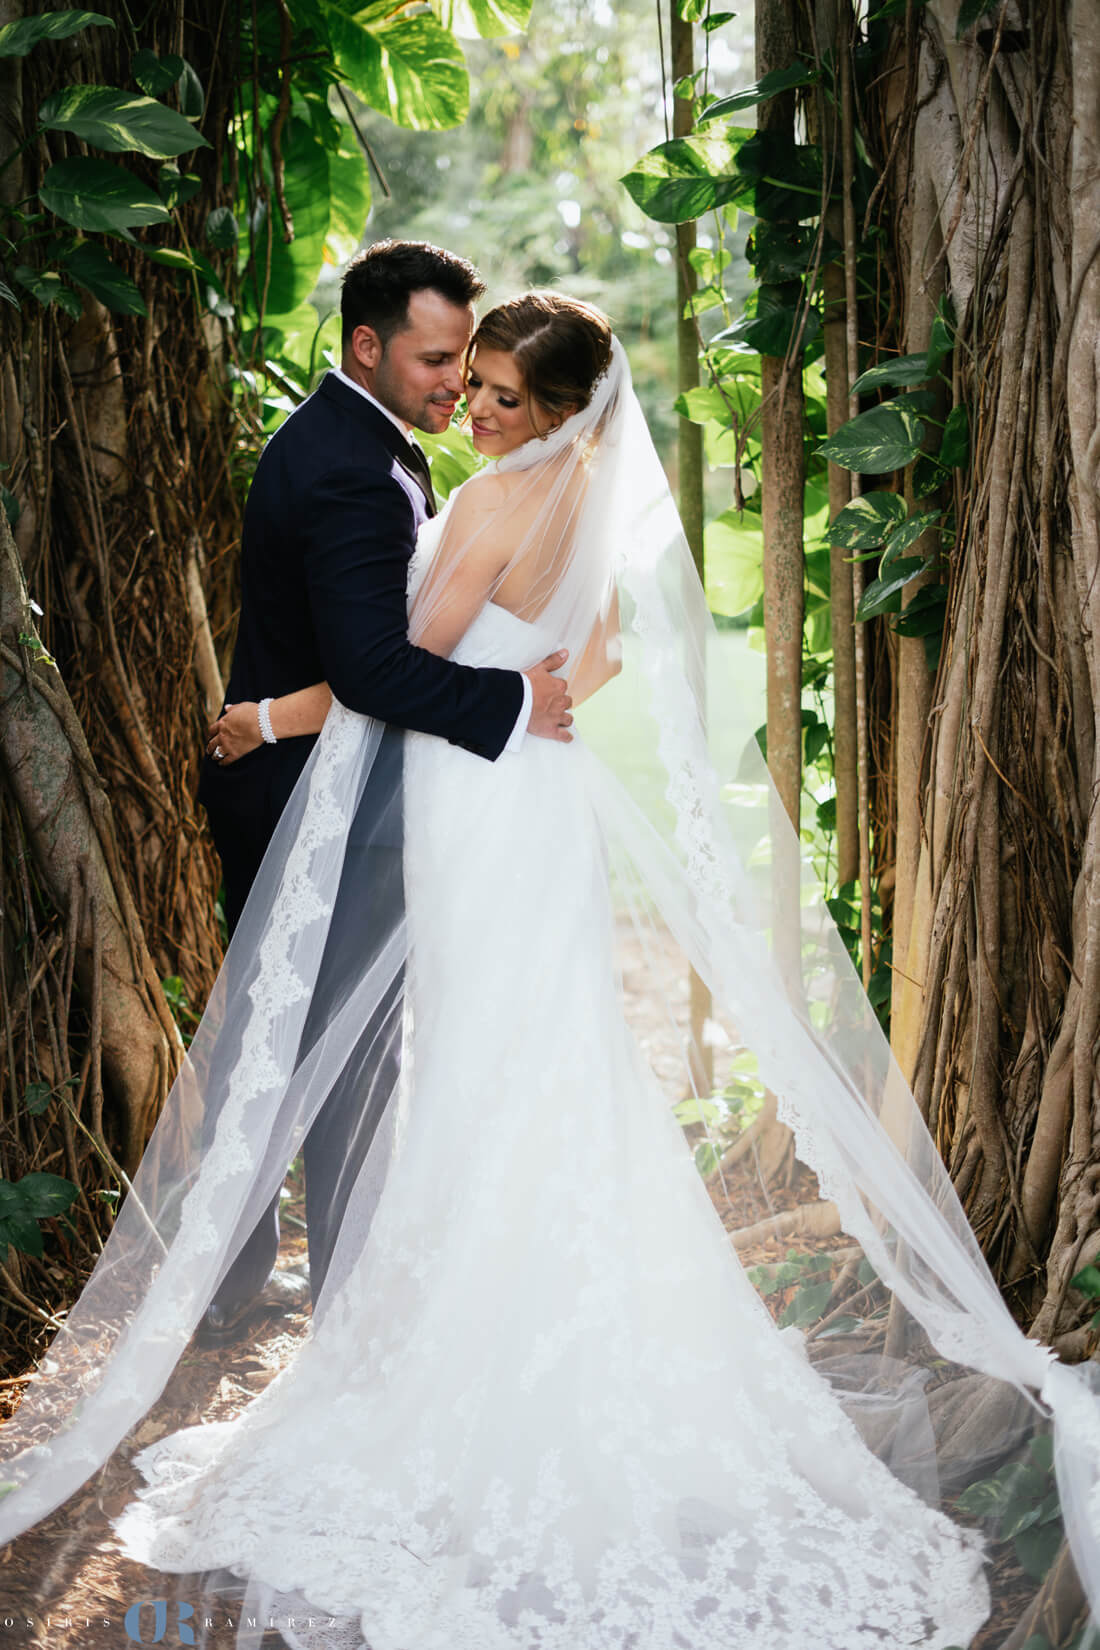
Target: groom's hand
550,705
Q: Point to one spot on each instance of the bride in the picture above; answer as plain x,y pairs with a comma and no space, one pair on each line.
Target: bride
540,1403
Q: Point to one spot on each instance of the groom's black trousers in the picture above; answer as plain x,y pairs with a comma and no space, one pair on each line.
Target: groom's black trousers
243,809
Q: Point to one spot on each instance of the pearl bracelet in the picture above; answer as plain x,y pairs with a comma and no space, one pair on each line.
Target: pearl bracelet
263,710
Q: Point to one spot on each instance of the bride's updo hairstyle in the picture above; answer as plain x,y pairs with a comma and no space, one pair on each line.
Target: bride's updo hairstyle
561,346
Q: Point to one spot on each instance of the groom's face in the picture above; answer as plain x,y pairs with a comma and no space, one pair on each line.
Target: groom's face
418,373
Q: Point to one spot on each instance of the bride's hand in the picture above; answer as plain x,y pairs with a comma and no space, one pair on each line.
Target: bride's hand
235,733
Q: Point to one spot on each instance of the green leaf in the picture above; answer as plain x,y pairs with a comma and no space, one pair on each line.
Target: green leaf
1087,1280
295,264
17,39
883,595
489,19
781,251
683,179
95,194
925,614
155,75
970,12
903,370
43,284
700,405
955,446
191,95
410,68
884,438
42,1195
906,535
11,505
36,1098
89,266
22,1233
717,19
220,230
175,186
1037,1548
807,1306
868,521
771,85
120,122
734,546
1041,1451
777,316
170,256
8,295
942,339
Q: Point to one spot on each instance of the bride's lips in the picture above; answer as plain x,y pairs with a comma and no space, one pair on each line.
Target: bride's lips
481,429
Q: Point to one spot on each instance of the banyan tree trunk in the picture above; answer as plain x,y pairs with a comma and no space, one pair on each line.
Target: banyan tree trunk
1001,892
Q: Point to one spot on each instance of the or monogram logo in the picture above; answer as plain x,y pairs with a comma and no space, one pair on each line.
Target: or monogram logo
133,1623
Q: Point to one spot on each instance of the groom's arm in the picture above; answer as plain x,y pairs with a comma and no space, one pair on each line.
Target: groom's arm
358,533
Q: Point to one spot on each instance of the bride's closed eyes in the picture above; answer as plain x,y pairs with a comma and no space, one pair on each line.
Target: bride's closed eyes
473,382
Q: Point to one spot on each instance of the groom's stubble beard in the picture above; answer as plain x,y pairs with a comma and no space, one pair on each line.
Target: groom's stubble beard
431,412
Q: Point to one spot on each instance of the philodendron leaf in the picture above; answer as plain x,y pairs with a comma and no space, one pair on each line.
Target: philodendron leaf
47,286
883,595
90,267
955,446
221,229
120,122
155,75
906,535
95,194
683,179
884,438
410,68
17,39
488,19
895,374
868,521
175,186
780,80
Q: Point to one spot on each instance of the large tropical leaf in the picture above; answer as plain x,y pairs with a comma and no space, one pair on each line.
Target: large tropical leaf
488,19
683,179
734,546
155,75
411,68
868,521
17,39
294,264
884,438
772,85
120,121
90,267
95,194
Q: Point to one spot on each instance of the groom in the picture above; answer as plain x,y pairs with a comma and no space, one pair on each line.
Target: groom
330,523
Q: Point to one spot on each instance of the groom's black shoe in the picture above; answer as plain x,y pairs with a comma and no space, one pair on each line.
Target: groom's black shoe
221,1324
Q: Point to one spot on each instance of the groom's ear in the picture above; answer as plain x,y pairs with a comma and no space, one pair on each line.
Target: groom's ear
366,347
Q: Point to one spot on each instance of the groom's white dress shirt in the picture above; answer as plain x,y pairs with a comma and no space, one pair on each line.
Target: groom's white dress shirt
524,718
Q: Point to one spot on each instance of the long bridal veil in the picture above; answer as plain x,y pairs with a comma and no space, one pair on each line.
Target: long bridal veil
875,1264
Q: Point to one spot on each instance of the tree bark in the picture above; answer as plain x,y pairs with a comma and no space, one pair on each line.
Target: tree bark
68,819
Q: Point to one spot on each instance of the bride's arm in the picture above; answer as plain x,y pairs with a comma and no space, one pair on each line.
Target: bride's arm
238,730
466,568
602,657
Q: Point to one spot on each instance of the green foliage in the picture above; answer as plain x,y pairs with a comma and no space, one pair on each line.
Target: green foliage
21,37
885,438
688,177
98,195
1087,1280
804,1274
25,1203
772,85
120,122
1021,1499
184,1015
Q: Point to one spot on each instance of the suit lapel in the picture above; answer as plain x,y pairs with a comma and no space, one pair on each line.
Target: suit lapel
356,406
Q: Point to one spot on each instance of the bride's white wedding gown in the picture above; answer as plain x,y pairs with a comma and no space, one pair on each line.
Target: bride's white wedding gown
549,1409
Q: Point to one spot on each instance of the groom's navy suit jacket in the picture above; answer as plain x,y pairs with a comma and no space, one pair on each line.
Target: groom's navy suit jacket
329,527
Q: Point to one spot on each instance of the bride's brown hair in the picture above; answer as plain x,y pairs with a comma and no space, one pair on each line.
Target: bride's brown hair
561,346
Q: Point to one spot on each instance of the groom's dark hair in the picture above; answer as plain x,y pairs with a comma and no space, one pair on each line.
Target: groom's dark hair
379,282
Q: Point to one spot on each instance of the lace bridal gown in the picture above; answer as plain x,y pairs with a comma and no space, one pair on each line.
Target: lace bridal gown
548,1411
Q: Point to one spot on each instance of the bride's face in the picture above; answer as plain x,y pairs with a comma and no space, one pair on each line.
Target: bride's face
497,399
